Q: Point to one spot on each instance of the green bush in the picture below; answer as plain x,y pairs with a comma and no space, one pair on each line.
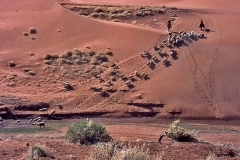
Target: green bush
178,133
87,133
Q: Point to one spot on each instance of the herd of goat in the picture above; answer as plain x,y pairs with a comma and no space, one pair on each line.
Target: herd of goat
36,120
173,40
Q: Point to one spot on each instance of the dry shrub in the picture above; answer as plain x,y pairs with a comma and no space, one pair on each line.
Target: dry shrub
11,64
99,58
91,53
178,133
25,33
98,10
26,69
49,56
67,54
108,52
32,30
37,151
93,15
119,151
116,20
32,73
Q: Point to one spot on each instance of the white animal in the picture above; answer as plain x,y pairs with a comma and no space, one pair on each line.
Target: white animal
41,124
43,109
52,112
30,120
18,122
136,73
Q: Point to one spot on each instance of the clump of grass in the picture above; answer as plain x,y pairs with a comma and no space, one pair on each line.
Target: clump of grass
93,15
91,53
108,52
119,151
38,151
26,69
32,30
25,33
87,133
99,58
11,64
49,58
67,54
98,10
32,73
116,20
178,133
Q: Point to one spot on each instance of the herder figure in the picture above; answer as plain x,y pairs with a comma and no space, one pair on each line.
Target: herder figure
202,25
169,25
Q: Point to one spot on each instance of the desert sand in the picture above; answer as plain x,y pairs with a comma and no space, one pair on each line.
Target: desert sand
202,82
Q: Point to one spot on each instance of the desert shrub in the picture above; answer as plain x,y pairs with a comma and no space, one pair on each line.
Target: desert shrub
64,61
49,56
139,14
95,15
178,133
102,14
37,151
119,151
78,52
11,64
99,58
87,133
26,69
134,22
108,52
114,15
98,10
67,54
32,73
32,30
116,20
25,33
91,53
112,72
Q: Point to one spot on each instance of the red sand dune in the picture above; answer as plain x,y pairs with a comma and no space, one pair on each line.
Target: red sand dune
202,83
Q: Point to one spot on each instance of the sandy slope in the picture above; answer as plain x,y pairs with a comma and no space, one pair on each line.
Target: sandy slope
202,82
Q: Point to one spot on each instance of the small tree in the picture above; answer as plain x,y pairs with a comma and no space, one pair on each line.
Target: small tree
87,133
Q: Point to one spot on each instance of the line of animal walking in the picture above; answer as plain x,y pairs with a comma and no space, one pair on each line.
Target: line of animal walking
174,40
165,50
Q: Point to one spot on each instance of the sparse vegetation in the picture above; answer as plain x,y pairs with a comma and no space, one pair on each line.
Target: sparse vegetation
32,30
116,13
178,133
49,56
11,64
87,133
119,151
26,69
108,52
25,33
38,151
99,58
91,53
32,73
